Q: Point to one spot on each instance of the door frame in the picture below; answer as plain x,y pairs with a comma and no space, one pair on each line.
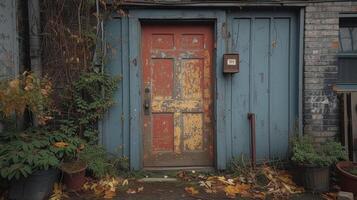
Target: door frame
135,19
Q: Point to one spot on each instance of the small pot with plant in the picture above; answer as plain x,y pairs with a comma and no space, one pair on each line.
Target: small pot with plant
347,176
74,174
314,161
91,158
72,166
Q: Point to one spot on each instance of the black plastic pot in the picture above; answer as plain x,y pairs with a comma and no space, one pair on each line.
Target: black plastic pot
316,179
38,186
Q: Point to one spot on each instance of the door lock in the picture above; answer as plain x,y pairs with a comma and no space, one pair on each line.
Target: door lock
147,101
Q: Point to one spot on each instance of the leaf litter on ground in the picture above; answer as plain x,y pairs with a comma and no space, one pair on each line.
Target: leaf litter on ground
278,184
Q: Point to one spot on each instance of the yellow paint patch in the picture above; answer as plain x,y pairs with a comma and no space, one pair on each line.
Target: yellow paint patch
191,79
170,105
193,132
177,132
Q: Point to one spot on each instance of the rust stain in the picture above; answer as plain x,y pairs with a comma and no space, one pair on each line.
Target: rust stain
193,132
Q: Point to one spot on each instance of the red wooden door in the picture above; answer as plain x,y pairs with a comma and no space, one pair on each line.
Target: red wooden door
177,95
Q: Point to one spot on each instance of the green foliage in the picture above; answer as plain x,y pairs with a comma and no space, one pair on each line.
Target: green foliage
23,153
97,160
305,152
101,164
89,98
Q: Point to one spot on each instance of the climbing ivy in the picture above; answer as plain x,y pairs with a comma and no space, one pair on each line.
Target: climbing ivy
87,100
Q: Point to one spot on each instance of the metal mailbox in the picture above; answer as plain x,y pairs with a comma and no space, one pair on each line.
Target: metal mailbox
231,63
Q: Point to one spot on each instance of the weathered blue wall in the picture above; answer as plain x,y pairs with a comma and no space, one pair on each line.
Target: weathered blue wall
267,84
9,50
115,126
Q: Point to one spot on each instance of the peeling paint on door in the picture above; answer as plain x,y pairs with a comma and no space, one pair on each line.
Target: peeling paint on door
193,137
177,72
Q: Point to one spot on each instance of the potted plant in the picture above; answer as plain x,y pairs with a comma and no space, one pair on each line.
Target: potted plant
28,163
314,161
68,148
89,158
347,176
25,159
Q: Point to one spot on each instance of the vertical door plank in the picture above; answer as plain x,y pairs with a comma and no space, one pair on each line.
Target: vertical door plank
279,88
241,87
112,137
260,84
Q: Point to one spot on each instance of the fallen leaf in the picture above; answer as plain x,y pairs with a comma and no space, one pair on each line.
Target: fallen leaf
191,190
109,194
131,191
140,189
58,192
209,191
231,191
125,182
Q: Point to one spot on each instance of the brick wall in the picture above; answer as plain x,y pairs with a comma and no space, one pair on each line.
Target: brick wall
321,110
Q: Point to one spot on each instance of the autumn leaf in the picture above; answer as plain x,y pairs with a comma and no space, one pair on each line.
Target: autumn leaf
140,189
232,191
109,194
60,144
125,182
191,190
58,192
131,191
206,184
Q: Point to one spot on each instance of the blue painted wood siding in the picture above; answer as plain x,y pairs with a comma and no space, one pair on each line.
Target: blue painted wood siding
266,84
115,125
9,44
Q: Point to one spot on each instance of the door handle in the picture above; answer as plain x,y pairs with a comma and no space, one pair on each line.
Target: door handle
147,101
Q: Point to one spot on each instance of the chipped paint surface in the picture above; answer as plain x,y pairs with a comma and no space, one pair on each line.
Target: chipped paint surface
177,132
193,130
162,129
177,71
191,80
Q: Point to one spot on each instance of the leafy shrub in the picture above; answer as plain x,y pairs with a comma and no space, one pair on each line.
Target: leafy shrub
306,153
96,159
23,153
87,100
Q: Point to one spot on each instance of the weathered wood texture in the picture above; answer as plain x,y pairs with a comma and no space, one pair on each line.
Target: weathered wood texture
115,125
9,50
177,82
266,85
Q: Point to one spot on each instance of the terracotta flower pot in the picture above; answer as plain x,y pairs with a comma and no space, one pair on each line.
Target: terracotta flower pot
74,175
346,180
